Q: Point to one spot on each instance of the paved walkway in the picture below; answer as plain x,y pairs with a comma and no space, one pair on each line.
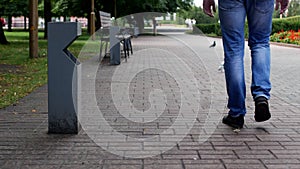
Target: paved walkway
161,109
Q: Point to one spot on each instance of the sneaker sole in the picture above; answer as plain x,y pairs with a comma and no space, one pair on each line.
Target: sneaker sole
262,112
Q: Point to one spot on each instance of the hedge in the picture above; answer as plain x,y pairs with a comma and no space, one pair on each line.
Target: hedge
286,24
207,29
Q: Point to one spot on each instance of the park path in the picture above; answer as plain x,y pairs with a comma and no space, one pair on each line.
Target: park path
175,92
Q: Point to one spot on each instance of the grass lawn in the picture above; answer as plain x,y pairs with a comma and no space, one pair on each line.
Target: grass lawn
20,75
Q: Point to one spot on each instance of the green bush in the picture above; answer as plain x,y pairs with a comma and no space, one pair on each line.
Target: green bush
212,29
292,18
208,29
286,24
166,22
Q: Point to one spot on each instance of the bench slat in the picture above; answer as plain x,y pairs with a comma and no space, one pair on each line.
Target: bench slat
105,19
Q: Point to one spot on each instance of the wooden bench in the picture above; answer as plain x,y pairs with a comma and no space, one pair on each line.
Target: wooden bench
106,36
105,22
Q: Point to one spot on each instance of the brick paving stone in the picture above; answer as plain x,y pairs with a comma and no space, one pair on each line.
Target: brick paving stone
195,146
280,161
122,167
217,154
165,166
225,146
156,164
245,166
161,162
43,166
205,166
280,166
243,163
24,142
274,138
200,163
180,154
254,154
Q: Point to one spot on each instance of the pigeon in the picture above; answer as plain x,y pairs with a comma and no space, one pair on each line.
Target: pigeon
213,45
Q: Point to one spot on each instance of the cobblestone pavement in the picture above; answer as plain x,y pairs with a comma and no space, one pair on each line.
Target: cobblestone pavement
162,109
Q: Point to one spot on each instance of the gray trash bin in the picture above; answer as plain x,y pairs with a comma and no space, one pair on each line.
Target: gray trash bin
63,73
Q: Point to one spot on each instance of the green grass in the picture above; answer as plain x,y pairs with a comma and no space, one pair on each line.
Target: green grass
20,75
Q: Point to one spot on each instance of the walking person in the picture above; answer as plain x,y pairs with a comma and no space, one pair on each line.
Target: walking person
232,14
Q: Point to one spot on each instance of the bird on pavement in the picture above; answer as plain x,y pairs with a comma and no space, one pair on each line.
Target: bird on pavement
213,45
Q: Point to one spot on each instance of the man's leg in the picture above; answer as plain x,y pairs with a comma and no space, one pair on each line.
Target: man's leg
260,25
232,17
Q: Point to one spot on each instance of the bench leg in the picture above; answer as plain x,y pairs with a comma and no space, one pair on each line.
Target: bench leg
101,46
106,44
127,44
125,49
130,46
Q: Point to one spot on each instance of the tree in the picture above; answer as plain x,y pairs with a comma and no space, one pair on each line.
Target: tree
163,6
49,8
82,8
3,39
61,8
137,6
294,8
10,8
198,14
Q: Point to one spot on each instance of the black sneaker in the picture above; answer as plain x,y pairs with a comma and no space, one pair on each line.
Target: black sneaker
262,112
235,122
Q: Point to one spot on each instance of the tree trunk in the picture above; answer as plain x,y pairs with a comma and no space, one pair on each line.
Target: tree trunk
154,26
140,22
9,23
2,36
47,16
115,9
33,29
25,23
89,24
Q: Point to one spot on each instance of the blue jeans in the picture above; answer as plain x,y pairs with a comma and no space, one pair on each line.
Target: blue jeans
232,15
